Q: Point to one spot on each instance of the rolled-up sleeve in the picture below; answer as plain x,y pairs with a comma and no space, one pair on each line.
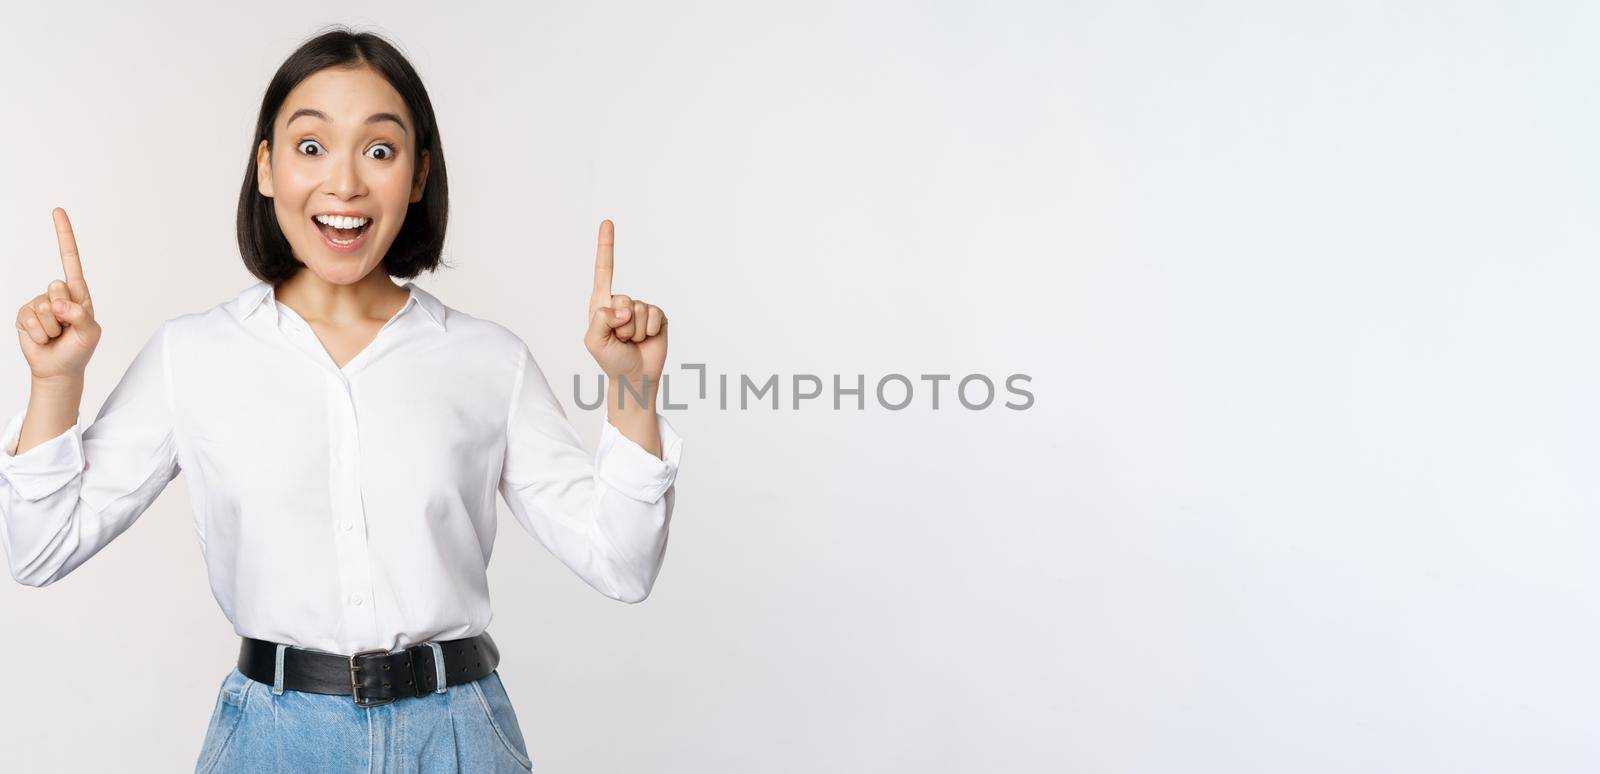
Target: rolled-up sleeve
65,499
606,515
46,467
626,467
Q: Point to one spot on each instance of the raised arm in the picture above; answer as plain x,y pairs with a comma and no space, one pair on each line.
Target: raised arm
605,516
65,491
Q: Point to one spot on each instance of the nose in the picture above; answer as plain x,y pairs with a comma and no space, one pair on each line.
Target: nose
344,177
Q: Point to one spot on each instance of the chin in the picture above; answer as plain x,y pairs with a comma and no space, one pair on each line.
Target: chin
339,271
344,273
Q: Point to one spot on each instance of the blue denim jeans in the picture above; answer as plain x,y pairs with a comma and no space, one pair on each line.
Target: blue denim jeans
256,727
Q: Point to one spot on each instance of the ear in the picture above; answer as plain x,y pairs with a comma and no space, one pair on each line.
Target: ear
264,169
422,179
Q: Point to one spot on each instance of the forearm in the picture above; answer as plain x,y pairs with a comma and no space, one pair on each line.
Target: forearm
633,412
52,410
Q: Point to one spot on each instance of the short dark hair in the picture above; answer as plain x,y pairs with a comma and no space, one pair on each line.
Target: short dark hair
418,246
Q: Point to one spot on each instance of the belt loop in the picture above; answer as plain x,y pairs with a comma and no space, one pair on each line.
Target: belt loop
438,666
277,671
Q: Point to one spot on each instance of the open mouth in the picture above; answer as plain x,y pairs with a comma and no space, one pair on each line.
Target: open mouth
343,239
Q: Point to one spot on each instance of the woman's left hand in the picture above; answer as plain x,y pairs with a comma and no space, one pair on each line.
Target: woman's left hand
626,336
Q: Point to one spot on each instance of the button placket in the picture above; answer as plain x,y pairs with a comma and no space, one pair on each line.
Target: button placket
351,538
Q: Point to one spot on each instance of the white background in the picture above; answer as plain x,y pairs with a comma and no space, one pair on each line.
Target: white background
1305,291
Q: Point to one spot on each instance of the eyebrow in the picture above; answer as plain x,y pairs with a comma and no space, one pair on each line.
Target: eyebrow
372,119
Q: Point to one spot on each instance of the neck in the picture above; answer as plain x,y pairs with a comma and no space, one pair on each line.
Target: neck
373,297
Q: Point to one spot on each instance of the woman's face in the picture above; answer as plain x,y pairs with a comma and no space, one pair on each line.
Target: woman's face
342,146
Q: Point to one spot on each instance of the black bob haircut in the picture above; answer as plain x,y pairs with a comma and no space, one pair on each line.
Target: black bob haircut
418,246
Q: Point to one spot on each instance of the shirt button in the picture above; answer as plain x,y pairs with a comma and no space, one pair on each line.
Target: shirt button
346,525
356,598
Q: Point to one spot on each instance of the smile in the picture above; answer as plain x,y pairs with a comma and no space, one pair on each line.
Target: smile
342,240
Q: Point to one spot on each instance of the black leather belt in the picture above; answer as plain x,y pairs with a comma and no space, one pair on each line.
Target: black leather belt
371,677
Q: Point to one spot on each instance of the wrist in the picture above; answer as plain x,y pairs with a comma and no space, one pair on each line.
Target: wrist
638,423
638,379
633,392
55,386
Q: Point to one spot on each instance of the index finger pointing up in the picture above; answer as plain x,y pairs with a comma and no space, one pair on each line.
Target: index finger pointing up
71,267
603,262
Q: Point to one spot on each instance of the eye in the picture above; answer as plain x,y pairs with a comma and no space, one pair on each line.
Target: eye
303,143
388,152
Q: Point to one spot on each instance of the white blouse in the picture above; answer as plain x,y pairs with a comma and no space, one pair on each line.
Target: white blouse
342,509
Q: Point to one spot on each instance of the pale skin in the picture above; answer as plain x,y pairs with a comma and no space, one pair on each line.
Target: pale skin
319,164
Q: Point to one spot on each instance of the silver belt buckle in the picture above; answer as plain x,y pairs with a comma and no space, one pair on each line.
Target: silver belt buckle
355,684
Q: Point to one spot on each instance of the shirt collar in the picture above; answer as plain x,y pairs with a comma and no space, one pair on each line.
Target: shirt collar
258,295
433,306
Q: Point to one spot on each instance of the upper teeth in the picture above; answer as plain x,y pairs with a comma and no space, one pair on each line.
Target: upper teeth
341,221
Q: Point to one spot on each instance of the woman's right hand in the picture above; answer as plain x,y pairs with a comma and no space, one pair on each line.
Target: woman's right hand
56,328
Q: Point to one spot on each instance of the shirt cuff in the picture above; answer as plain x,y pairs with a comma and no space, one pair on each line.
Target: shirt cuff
626,467
40,471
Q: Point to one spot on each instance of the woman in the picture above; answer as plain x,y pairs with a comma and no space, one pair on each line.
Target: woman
344,438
